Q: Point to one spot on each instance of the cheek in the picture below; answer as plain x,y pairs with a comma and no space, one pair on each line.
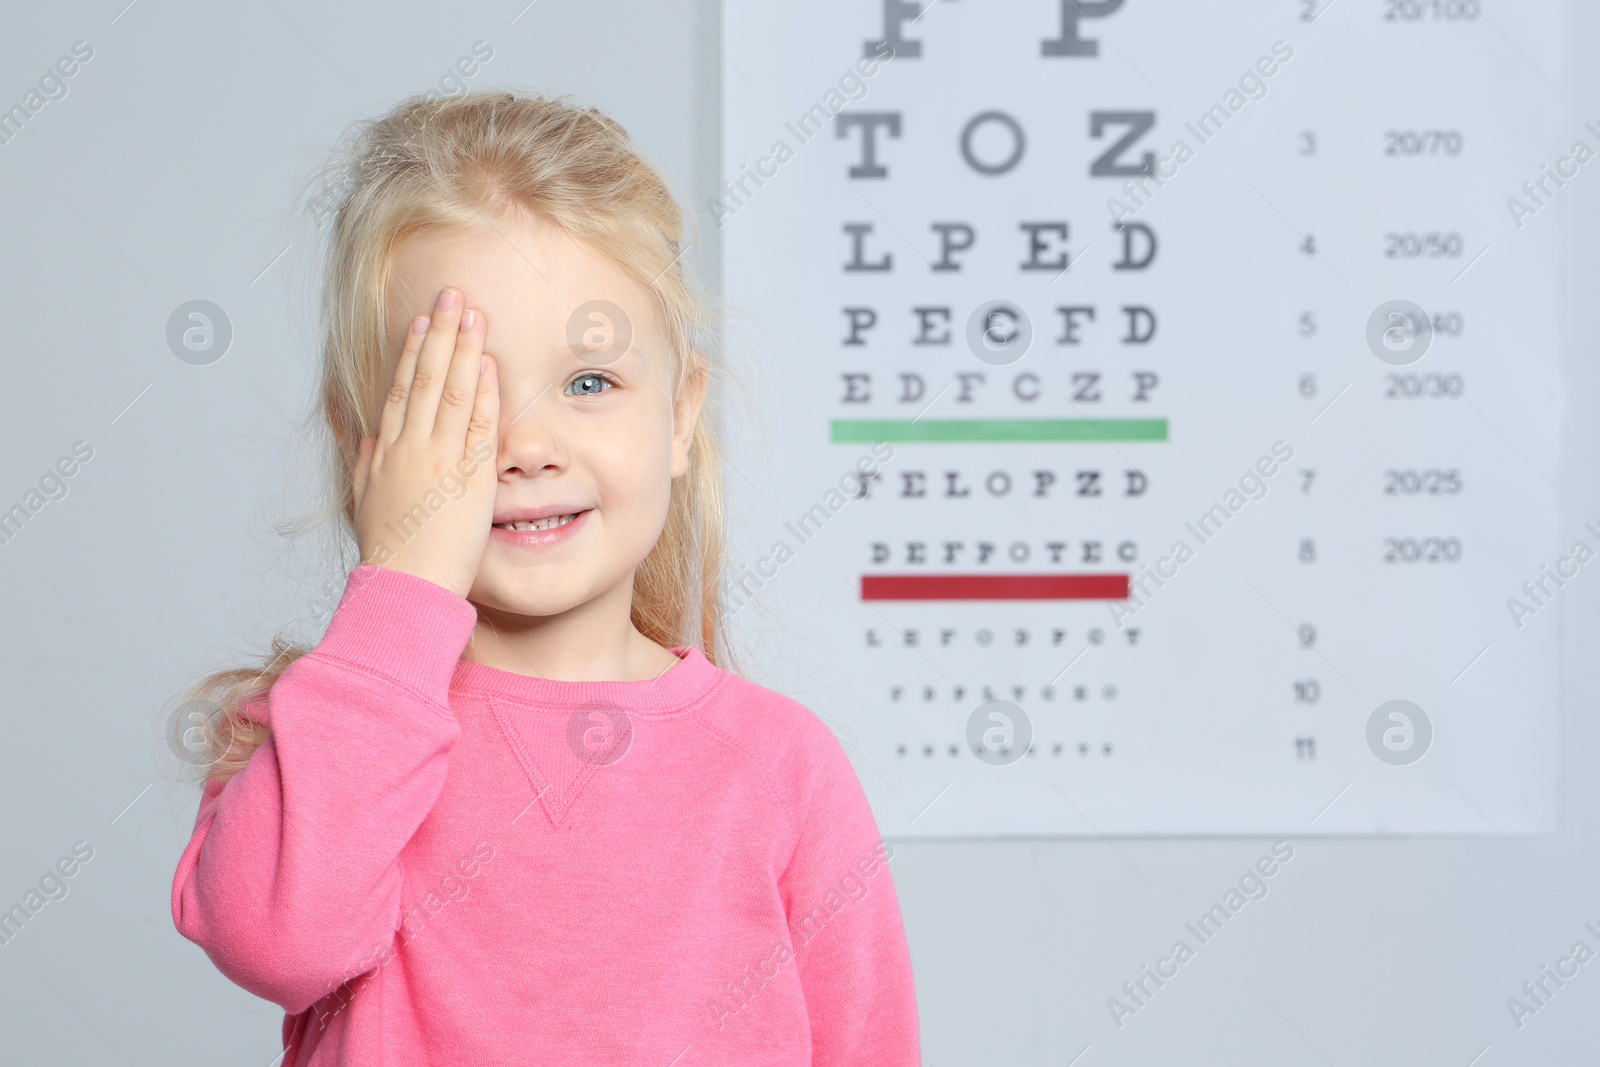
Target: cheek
638,480
637,437
631,459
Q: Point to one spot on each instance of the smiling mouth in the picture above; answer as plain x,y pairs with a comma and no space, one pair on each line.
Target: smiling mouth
539,524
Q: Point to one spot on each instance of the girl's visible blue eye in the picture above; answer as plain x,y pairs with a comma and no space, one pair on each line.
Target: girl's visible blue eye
594,376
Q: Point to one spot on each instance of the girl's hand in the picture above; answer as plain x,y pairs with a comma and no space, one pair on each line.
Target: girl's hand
436,442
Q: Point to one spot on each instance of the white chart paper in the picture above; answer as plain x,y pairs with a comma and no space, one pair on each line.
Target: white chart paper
1241,526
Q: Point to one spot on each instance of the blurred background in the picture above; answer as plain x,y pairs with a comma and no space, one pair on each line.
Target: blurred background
1336,346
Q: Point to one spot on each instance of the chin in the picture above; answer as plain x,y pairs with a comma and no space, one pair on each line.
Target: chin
525,594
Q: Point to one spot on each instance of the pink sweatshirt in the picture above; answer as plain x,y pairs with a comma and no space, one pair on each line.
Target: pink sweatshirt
435,862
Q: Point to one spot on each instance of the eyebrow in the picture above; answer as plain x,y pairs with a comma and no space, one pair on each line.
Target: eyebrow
634,349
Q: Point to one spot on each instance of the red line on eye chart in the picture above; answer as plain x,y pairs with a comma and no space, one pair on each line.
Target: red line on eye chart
994,587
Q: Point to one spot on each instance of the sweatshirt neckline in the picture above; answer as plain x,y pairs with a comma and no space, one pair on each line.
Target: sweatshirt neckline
676,688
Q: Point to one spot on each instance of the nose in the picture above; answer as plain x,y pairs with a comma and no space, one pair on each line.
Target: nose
530,434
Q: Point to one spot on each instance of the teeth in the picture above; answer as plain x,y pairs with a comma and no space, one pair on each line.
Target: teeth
538,524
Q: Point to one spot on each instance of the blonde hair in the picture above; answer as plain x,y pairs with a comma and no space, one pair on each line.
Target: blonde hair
459,161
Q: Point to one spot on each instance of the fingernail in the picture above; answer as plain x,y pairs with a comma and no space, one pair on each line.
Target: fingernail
420,324
447,298
483,364
468,317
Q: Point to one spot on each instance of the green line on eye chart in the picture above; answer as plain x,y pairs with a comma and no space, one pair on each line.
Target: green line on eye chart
931,431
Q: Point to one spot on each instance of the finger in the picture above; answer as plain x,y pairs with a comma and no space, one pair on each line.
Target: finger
394,406
458,398
358,476
483,433
438,348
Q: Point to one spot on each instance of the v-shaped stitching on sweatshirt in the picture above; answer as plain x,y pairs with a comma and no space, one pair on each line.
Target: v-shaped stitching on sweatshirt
556,803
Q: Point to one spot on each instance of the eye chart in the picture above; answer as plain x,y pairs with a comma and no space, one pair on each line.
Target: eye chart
1166,404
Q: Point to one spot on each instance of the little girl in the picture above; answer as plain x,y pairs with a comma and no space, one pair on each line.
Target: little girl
506,812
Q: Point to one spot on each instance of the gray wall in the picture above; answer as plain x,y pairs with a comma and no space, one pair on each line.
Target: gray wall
163,175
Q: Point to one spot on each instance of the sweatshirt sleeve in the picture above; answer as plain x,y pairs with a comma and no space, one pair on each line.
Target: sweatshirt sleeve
292,880
844,919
